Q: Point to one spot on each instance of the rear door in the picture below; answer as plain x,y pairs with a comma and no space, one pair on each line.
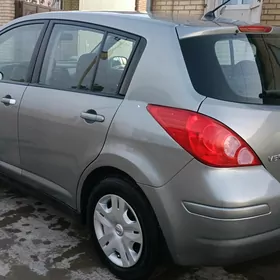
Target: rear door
66,112
241,80
18,48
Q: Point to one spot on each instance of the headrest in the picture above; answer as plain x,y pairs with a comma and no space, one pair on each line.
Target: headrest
84,61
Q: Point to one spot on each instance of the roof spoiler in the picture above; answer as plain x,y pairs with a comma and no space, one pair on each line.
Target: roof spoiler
211,14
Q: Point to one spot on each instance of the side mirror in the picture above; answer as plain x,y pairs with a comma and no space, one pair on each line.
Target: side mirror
1,76
118,62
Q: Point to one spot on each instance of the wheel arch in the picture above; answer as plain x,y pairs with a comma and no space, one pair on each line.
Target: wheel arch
90,179
137,171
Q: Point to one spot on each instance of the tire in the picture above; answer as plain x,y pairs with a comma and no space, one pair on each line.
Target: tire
118,191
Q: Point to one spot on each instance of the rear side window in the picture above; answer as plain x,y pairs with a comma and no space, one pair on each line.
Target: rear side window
234,67
81,58
116,53
71,57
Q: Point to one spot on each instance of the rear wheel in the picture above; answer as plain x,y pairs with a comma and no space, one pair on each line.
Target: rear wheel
124,229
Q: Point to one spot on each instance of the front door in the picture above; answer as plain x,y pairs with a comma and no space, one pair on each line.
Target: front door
17,45
65,115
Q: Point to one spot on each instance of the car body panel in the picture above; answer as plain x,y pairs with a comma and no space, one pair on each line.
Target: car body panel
144,151
186,32
167,81
9,148
205,239
134,23
56,144
258,125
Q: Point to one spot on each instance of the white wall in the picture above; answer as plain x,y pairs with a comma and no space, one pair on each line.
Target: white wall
107,5
248,13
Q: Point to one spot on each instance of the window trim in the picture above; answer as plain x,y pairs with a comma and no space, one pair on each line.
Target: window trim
128,72
35,53
239,6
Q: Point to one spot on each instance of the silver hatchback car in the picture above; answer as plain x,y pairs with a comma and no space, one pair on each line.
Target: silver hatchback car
157,132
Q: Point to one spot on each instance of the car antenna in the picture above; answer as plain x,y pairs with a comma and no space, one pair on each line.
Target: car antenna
211,14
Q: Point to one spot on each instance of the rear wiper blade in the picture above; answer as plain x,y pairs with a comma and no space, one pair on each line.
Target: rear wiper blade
274,93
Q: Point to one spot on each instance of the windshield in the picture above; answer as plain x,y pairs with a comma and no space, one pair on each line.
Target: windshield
234,67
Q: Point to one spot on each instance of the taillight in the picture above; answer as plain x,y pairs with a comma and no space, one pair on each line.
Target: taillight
208,140
255,29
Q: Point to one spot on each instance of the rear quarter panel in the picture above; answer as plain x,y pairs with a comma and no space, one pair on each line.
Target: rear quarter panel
136,144
259,126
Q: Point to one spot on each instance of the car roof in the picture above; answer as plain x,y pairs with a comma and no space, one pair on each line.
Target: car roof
134,22
153,17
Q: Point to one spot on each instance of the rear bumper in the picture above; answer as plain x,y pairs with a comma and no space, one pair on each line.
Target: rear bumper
226,252
213,216
227,214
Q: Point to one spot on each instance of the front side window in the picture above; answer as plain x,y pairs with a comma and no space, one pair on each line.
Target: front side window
16,50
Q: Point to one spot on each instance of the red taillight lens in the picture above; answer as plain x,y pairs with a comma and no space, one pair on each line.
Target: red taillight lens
206,139
255,29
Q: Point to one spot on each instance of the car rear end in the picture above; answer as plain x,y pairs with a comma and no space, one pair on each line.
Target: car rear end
224,205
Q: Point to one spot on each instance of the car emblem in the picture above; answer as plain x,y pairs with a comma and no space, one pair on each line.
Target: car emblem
274,158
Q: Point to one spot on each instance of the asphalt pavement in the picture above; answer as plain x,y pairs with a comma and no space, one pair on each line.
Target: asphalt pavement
39,241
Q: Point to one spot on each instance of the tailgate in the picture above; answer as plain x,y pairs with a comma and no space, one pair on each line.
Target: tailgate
239,73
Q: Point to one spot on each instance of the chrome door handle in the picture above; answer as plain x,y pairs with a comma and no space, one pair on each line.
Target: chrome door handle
8,100
91,116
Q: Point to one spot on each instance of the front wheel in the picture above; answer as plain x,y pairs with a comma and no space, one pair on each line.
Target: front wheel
124,229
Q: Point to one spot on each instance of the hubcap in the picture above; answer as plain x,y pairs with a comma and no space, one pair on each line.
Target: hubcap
118,231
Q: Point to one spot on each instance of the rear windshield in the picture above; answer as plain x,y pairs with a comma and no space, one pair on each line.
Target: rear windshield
235,67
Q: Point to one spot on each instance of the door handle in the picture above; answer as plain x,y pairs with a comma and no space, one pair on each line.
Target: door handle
8,100
91,116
